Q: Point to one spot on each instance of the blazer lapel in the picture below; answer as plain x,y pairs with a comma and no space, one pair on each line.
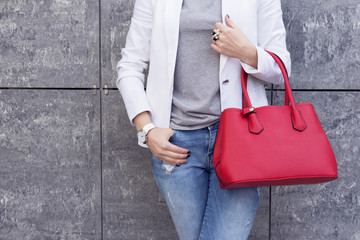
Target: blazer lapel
235,9
225,7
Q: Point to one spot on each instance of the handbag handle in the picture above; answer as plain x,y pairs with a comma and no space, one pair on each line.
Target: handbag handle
285,75
255,125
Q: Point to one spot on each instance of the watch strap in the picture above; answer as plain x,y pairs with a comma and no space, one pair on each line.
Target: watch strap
147,128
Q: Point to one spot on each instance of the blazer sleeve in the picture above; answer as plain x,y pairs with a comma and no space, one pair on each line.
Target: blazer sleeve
135,60
271,36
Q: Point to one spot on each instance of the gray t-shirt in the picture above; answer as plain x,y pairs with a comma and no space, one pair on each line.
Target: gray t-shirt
196,96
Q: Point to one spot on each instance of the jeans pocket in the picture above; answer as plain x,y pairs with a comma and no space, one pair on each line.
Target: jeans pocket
173,135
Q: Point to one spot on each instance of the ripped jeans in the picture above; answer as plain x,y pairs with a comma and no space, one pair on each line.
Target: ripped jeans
199,208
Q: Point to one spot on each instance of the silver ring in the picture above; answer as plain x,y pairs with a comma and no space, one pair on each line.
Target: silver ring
215,33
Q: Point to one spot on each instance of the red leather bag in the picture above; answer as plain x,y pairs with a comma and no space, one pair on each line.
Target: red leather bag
272,145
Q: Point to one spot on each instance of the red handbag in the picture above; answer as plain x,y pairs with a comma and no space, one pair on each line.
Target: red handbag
272,145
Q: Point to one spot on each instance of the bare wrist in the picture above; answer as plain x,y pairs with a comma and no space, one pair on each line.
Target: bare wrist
250,56
141,120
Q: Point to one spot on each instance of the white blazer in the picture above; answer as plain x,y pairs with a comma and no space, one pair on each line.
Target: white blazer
152,40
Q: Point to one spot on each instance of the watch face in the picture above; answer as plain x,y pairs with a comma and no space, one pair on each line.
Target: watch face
141,137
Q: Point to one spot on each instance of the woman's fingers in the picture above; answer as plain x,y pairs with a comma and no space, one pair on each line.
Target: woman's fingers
221,26
232,42
174,155
176,149
173,161
216,47
158,143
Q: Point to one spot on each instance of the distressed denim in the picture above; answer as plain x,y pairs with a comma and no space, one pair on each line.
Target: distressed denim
199,208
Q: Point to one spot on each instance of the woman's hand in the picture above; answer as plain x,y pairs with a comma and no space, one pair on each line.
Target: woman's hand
233,42
159,145
158,142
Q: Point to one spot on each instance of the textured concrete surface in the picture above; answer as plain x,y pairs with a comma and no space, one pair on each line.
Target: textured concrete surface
50,168
115,22
49,43
328,210
133,206
323,39
260,229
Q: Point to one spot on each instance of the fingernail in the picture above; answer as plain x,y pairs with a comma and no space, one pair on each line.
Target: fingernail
189,151
188,155
228,15
177,165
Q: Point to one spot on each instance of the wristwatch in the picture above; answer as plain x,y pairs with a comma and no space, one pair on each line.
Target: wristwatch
142,134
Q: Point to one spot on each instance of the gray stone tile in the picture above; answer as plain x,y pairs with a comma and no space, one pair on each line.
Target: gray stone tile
115,22
260,229
49,43
268,96
133,205
50,161
137,221
323,42
328,210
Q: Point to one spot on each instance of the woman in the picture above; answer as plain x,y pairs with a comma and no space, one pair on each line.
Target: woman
195,51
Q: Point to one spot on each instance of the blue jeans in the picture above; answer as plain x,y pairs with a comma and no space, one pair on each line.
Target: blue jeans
199,208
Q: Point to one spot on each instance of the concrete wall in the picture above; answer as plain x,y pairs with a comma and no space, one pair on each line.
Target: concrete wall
70,166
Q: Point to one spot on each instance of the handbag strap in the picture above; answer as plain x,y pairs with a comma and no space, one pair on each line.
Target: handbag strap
255,125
